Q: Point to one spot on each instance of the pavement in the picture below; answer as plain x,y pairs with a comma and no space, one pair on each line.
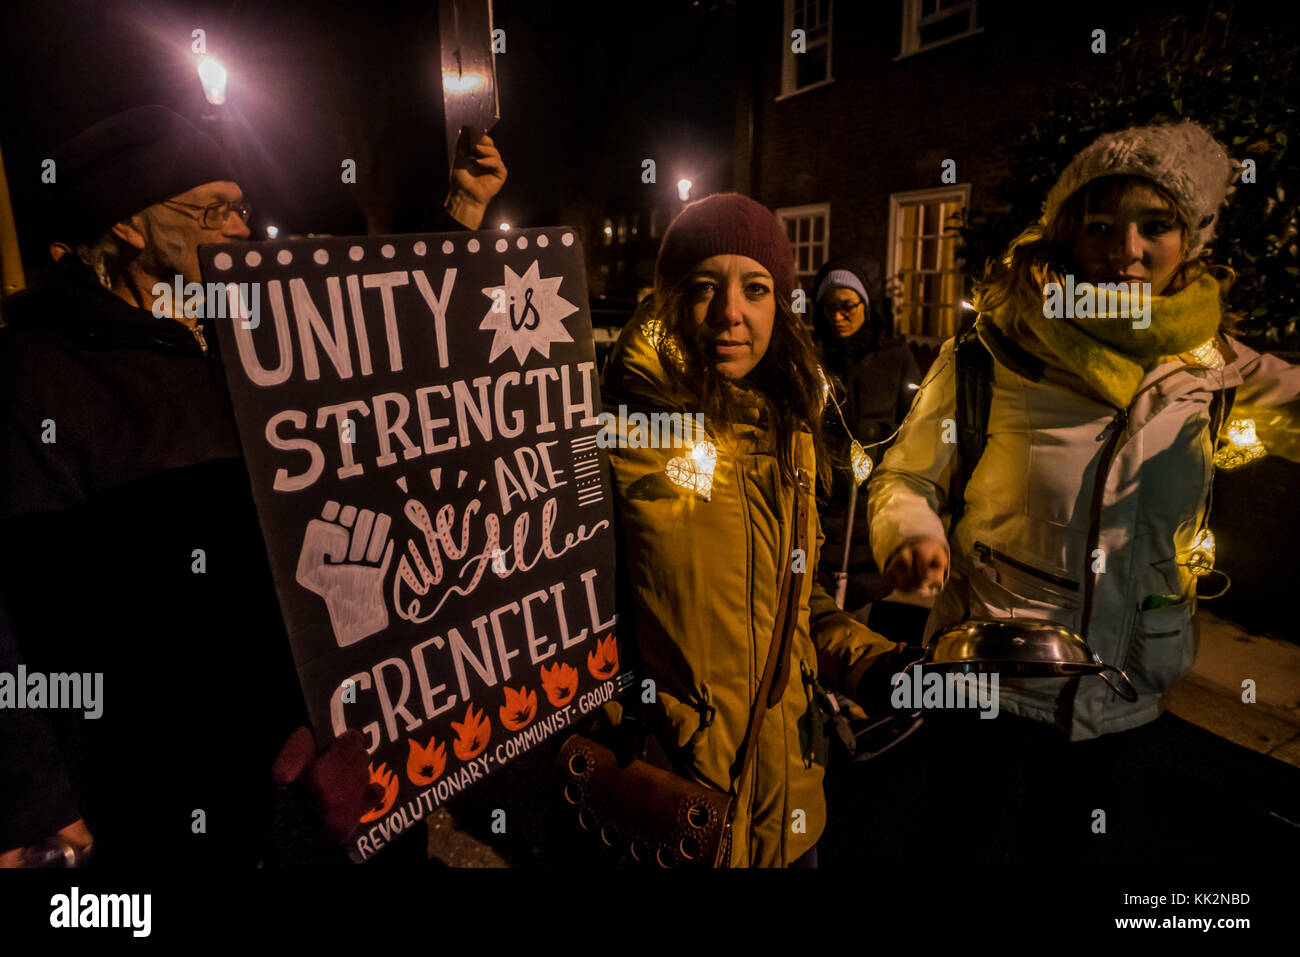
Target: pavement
1211,696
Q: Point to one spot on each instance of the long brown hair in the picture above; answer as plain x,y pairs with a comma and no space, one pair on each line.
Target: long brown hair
1043,253
788,376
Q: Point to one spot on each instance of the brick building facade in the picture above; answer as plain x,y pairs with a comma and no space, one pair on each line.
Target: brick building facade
895,117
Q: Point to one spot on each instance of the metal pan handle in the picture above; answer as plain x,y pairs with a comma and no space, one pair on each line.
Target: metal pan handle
1124,688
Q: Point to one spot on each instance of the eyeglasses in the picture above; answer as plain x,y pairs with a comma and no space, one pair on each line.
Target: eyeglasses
834,308
213,216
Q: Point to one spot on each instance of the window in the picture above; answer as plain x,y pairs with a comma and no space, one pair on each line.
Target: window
607,233
931,23
925,274
812,67
622,229
808,228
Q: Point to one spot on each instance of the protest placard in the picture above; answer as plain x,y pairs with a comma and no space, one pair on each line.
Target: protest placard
419,417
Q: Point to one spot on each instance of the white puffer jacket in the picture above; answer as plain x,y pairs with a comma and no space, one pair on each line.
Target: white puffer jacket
1067,483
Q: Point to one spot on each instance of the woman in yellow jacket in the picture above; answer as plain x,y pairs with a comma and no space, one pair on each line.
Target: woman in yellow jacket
704,543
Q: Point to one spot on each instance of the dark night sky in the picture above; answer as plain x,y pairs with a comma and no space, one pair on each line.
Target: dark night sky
587,90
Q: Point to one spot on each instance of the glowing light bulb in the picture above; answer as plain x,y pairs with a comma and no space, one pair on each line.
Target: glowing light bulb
694,471
861,462
272,232
684,190
1242,446
1200,558
1241,433
505,227
213,76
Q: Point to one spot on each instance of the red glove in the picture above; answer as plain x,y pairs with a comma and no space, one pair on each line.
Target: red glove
339,779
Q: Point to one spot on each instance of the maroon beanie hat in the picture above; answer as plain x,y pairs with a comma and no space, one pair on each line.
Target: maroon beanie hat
726,224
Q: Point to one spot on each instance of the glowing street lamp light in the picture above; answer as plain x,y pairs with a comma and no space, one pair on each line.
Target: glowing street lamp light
272,232
213,76
684,190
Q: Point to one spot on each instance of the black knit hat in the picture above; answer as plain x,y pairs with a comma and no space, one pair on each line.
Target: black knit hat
127,163
726,223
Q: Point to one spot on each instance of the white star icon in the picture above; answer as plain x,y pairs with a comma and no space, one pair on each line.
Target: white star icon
527,313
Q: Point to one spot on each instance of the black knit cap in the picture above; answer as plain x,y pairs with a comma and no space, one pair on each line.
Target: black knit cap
127,163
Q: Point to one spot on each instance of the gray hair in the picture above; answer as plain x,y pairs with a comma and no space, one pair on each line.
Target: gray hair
107,258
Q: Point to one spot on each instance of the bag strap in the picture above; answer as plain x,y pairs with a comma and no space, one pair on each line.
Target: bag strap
1220,409
776,671
974,397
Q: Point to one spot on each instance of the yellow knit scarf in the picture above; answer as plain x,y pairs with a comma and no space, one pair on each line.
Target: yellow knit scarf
1105,351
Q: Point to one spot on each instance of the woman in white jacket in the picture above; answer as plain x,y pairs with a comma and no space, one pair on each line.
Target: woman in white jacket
1093,485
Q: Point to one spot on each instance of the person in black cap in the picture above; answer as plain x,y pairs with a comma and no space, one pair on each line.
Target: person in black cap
129,544
874,376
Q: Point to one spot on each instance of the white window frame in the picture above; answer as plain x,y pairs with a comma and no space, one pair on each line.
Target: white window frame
789,70
956,192
789,213
913,21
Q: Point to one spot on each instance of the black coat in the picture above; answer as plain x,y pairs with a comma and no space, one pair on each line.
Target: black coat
871,372
100,530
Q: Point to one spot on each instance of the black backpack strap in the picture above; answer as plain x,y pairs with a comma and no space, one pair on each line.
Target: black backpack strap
1220,409
974,371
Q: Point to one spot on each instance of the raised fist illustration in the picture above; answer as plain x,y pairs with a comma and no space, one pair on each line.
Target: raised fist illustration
340,561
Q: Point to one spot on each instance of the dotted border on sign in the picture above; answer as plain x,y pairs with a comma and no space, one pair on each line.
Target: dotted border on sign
224,261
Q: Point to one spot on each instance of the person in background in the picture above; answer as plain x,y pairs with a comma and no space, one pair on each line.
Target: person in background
873,378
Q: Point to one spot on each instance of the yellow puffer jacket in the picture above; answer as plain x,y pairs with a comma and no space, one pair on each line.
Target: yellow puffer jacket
701,583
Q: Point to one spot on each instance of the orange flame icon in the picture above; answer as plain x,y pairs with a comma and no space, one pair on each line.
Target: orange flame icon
420,758
472,735
388,781
560,682
603,661
520,708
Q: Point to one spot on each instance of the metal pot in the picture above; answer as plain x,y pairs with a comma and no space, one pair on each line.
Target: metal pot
1020,648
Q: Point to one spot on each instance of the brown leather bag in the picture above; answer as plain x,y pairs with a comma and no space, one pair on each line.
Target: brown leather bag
636,813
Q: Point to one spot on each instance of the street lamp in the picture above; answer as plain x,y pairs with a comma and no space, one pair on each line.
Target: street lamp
213,76
684,190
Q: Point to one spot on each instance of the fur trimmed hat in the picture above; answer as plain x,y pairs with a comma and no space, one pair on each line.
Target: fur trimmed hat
726,223
1183,158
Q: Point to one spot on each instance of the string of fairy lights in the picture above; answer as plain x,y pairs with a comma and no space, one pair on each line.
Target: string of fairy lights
695,470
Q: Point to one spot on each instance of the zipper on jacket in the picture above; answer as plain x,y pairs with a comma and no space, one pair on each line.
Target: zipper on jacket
984,552
1117,426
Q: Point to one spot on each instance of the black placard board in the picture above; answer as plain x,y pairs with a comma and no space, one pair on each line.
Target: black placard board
418,416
